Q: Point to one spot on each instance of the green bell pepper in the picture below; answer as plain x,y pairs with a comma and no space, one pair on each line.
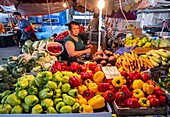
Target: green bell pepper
51,110
73,92
39,80
59,105
45,93
5,108
65,79
58,93
37,109
31,100
47,75
65,87
68,99
59,85
23,82
22,94
57,100
47,103
17,109
59,73
51,85
56,77
66,109
33,90
75,107
3,101
25,107
13,100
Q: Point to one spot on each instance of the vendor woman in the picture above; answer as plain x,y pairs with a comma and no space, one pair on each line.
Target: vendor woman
73,43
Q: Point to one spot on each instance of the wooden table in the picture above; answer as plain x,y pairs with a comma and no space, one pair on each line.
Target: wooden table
142,50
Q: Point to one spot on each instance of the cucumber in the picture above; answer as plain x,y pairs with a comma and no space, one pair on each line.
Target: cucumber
149,53
155,59
169,62
154,63
163,54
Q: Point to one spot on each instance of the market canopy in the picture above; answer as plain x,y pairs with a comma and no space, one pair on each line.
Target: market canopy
114,6
39,7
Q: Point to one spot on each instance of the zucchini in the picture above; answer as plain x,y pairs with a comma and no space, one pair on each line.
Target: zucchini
155,54
154,63
169,62
155,59
164,59
149,53
164,63
163,54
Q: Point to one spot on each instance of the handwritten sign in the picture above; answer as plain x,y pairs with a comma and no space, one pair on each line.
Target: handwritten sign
111,72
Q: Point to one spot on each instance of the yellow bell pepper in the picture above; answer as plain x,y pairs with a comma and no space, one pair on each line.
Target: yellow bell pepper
138,93
144,102
87,82
117,81
97,102
93,87
85,109
82,89
98,77
82,101
148,88
79,96
137,84
124,80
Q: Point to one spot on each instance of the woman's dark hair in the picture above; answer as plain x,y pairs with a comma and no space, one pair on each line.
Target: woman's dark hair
16,13
72,22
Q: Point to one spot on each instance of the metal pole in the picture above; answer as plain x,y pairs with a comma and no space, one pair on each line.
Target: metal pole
85,14
49,15
100,29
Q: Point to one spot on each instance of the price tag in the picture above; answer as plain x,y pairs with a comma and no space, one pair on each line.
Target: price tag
137,32
111,72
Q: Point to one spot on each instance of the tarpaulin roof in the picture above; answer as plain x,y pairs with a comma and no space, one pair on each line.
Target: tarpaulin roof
39,7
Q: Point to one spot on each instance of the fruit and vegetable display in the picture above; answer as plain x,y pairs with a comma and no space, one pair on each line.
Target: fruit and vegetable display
104,58
36,60
146,42
159,57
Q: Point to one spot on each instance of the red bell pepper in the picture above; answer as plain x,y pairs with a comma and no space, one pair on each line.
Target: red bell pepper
88,94
109,96
74,81
102,87
124,73
137,76
154,102
158,92
92,66
162,100
151,82
132,74
74,66
125,89
98,68
84,75
112,88
132,102
58,65
145,77
90,75
82,68
53,69
108,81
119,96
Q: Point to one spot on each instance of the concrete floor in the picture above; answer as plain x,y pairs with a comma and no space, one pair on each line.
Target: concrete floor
9,51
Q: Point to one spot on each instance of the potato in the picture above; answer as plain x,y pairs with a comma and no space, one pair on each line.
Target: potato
112,60
105,57
100,52
103,62
98,58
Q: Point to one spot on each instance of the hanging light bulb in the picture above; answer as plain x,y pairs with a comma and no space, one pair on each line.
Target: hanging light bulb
101,4
64,4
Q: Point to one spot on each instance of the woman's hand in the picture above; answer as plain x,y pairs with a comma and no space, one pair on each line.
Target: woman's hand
88,50
89,46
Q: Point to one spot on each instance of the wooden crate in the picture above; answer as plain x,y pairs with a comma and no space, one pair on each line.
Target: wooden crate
139,111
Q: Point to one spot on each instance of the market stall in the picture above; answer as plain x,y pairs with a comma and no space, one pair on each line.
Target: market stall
121,81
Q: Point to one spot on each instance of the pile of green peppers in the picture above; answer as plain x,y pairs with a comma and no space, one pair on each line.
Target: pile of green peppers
45,93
